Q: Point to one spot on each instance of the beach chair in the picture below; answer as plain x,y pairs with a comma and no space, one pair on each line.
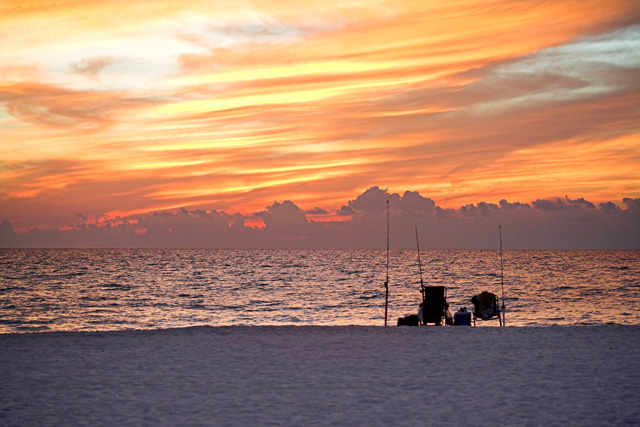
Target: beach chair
486,307
434,304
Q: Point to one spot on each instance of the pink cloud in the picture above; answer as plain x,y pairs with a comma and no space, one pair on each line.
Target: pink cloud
557,223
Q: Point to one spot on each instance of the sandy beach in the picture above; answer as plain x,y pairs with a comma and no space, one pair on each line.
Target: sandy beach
308,375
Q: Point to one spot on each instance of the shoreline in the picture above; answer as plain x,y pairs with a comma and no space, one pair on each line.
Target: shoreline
36,331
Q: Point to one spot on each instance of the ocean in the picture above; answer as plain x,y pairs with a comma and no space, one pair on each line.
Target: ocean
121,289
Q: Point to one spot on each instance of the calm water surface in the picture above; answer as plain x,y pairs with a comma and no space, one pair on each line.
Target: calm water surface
103,289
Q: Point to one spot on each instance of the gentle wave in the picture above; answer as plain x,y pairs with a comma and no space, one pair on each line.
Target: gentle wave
88,290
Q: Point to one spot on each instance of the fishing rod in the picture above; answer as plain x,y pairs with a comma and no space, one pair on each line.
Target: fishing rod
419,262
502,277
386,283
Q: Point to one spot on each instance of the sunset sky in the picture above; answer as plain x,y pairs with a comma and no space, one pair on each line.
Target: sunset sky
120,109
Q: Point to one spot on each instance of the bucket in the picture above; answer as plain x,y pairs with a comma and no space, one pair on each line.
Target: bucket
462,318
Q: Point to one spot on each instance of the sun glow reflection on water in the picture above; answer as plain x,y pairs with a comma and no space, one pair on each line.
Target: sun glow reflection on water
84,290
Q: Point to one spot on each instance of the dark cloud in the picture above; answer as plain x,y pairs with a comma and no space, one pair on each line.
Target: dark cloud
548,205
413,201
346,211
317,211
557,223
482,209
8,236
609,208
513,206
580,201
373,201
633,206
285,221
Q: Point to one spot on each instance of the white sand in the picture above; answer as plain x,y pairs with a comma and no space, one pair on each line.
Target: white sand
323,376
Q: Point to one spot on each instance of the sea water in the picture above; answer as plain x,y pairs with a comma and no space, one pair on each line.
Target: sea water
118,289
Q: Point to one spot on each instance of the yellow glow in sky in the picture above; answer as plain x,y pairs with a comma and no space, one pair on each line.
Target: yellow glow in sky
121,108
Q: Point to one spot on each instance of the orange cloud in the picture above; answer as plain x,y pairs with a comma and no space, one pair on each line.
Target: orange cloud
138,107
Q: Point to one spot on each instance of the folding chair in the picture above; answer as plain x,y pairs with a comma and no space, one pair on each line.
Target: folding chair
486,307
434,304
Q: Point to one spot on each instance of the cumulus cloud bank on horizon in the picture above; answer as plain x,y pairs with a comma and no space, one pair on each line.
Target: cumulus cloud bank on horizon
544,223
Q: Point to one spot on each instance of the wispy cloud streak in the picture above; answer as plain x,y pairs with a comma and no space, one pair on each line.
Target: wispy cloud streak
148,106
